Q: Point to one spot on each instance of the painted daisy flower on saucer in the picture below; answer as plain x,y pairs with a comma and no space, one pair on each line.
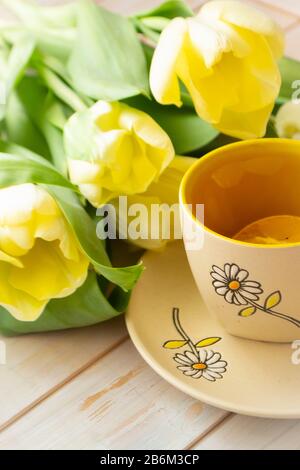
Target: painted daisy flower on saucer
232,283
205,363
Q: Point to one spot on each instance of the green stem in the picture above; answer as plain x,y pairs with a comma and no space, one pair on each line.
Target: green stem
156,23
61,89
182,332
146,31
281,100
275,314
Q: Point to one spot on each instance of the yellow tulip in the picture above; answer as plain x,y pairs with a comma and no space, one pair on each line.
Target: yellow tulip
165,193
113,149
287,121
39,255
226,57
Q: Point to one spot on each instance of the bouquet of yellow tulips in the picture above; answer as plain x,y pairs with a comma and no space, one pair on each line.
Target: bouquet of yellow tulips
93,106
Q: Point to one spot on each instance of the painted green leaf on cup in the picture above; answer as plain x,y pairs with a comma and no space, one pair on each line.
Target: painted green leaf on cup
207,342
247,312
175,344
272,300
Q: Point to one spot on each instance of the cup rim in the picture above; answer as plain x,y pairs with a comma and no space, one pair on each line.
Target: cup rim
212,154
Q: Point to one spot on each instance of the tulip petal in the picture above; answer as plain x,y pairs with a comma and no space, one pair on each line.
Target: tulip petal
245,16
288,120
211,94
159,147
16,240
163,78
23,200
10,259
22,306
47,274
245,126
210,44
227,62
260,80
83,172
132,150
39,257
162,192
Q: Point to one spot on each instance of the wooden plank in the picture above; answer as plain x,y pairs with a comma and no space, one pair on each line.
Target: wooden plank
129,8
135,6
292,43
287,6
195,4
119,403
245,433
284,19
37,365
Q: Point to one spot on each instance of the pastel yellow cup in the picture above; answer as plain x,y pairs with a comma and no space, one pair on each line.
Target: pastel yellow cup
252,289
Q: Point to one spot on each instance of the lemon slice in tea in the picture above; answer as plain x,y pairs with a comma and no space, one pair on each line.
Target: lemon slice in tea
274,230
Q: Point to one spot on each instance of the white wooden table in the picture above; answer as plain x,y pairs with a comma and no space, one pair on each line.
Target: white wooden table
90,389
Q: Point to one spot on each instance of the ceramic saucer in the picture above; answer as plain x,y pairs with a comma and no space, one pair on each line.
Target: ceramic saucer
173,331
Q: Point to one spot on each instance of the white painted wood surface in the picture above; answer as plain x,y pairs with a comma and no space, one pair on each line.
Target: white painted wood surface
90,389
117,403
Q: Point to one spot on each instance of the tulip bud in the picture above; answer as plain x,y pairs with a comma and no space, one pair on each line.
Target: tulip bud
40,258
226,58
113,150
159,209
287,121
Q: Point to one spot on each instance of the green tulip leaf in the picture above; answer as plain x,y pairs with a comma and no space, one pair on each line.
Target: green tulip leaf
19,58
107,61
21,129
12,66
290,73
80,134
87,306
85,230
170,9
54,137
142,27
18,165
53,28
42,119
61,89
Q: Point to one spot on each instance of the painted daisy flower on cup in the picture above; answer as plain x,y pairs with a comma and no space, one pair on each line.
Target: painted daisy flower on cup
197,362
205,363
232,283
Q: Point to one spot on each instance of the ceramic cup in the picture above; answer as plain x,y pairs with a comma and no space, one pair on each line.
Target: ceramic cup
252,289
